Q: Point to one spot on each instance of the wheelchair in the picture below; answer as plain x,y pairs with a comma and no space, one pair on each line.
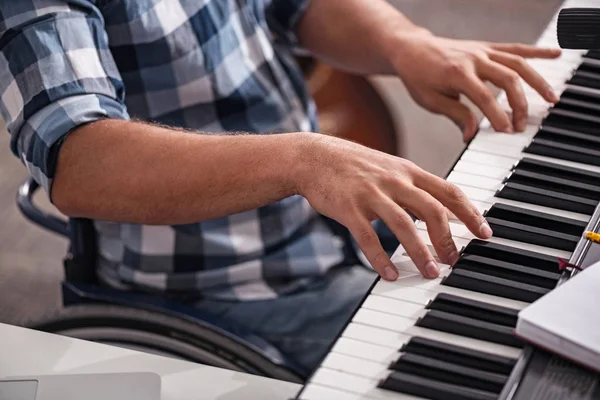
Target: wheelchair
143,322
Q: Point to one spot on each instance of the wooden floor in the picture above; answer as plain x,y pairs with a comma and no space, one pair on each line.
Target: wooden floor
30,259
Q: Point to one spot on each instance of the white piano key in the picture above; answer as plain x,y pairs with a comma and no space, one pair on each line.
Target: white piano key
484,199
482,182
369,333
490,134
355,366
498,149
406,290
381,321
506,161
314,391
356,385
460,233
481,170
393,306
366,350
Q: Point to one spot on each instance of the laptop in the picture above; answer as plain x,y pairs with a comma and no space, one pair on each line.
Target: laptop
114,386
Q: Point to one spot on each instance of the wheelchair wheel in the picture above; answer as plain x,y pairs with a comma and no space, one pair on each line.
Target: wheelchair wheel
158,334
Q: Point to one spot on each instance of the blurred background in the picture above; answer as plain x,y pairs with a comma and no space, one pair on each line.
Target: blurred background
31,259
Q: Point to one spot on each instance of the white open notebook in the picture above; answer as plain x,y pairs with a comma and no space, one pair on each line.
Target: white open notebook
566,321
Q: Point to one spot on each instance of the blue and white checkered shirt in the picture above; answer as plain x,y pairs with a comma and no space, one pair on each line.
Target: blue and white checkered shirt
208,65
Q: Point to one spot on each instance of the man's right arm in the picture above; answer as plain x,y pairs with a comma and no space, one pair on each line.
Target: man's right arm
141,173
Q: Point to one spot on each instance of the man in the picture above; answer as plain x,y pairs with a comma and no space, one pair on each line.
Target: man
74,74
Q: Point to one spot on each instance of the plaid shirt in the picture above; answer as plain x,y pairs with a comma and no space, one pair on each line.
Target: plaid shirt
209,65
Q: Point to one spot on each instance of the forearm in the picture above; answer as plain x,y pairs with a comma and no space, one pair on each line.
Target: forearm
139,173
355,35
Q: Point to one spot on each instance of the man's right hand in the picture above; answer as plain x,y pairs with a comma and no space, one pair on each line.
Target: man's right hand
355,185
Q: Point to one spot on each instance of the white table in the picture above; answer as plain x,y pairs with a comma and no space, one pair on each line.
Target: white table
27,352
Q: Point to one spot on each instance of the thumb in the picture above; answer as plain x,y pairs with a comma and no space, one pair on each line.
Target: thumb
457,112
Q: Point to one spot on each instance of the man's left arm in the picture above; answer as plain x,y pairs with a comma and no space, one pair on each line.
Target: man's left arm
373,37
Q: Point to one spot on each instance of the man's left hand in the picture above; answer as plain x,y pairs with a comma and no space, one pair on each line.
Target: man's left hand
437,71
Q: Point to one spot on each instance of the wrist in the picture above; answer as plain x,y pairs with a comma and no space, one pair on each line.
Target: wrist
301,158
397,45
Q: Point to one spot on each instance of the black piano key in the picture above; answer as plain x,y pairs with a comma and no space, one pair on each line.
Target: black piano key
551,181
534,227
467,357
474,309
469,327
566,119
571,110
503,269
493,285
547,198
584,100
431,389
554,149
533,235
559,171
449,372
513,255
594,54
585,77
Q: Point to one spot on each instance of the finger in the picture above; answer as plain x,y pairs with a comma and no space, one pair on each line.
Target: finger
528,74
455,200
435,216
507,79
404,228
460,114
526,51
482,97
369,243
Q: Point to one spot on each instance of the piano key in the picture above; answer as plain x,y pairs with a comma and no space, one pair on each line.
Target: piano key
503,139
412,290
533,227
354,385
480,182
484,199
494,286
481,170
407,327
393,306
502,269
314,391
513,255
547,198
355,366
450,372
469,327
474,309
451,353
503,150
367,351
432,389
462,236
369,331
565,151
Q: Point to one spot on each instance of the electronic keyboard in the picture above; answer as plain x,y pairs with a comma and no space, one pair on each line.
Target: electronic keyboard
452,337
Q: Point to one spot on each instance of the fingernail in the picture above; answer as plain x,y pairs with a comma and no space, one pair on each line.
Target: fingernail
509,129
552,95
432,269
453,257
486,231
391,274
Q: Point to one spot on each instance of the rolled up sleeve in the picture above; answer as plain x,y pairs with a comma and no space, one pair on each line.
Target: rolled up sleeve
56,73
283,17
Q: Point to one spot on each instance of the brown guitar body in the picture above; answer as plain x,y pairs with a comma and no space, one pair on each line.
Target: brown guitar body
350,107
